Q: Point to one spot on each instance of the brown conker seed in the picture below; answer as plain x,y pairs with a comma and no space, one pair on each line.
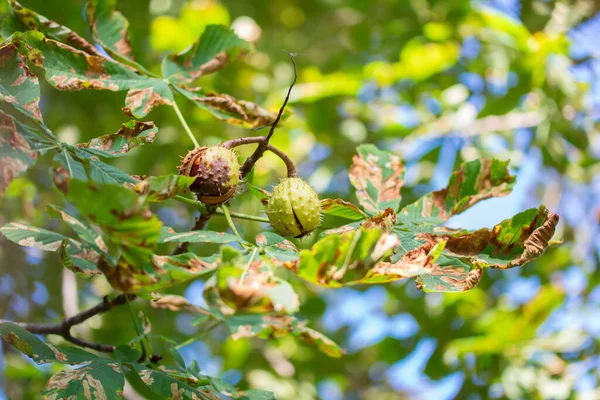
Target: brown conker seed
217,173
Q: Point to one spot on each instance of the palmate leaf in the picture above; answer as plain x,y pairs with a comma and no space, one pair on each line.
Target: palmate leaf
414,243
70,63
215,48
104,378
378,177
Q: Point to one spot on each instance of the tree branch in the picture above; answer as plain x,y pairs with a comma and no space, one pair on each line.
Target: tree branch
263,145
291,167
64,328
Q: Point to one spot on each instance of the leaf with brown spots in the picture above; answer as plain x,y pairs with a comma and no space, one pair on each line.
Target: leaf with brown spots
229,109
40,352
109,27
74,255
131,135
18,85
343,209
101,379
475,181
70,69
158,273
344,259
378,177
23,19
511,243
274,326
160,188
212,51
16,154
277,249
247,284
121,214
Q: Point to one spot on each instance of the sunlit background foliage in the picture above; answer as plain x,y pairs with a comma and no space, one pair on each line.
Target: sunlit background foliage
438,83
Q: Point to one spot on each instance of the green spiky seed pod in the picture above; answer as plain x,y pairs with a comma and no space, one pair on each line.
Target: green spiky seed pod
294,209
217,173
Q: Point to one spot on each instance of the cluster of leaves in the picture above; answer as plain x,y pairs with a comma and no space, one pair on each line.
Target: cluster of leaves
118,235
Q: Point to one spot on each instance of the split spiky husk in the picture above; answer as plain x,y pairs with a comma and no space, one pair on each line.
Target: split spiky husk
217,173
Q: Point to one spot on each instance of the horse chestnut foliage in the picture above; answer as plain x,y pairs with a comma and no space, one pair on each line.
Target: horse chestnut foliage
217,173
294,209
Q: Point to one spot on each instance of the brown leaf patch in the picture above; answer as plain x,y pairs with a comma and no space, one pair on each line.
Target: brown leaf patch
12,141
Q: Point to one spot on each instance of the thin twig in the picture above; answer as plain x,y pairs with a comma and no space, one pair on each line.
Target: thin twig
262,147
291,167
64,328
199,224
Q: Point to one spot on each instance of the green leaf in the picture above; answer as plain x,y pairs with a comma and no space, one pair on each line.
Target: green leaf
131,135
168,387
109,27
513,242
158,273
40,352
248,284
344,259
18,85
342,209
18,145
74,255
160,188
272,326
23,19
475,181
228,108
168,235
102,379
70,69
215,48
126,221
449,274
83,230
78,258
378,177
127,353
277,249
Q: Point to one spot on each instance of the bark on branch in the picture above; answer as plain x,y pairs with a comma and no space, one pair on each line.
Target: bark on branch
63,328
291,168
